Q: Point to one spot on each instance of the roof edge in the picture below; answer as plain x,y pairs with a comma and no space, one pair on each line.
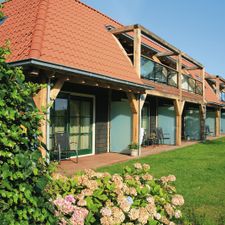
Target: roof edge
59,67
99,12
38,34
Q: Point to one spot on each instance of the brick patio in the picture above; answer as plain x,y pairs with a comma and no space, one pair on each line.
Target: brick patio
69,167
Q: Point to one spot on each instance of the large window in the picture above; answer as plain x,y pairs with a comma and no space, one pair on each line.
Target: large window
158,73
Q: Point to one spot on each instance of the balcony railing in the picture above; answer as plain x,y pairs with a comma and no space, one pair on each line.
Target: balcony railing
157,72
191,85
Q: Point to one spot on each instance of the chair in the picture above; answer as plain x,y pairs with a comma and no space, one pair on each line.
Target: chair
161,136
207,130
62,146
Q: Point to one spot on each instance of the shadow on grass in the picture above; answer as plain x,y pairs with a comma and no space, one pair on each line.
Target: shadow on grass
213,142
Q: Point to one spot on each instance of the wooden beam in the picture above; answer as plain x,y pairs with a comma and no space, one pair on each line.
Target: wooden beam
202,112
179,106
159,40
123,29
190,59
56,89
192,68
161,94
162,54
203,84
137,51
218,115
133,102
179,77
40,100
156,59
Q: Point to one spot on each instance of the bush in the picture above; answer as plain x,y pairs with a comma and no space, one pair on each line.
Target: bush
23,172
135,197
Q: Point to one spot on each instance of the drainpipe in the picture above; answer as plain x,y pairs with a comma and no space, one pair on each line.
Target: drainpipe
139,118
48,113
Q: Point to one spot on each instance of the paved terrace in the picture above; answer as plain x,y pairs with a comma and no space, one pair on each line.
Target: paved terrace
69,167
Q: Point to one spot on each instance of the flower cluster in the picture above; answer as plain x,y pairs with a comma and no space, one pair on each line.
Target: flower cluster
134,197
68,212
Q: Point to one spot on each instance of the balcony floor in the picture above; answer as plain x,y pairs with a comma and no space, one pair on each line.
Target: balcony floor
69,167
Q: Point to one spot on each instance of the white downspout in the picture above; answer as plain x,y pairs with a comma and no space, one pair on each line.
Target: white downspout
48,114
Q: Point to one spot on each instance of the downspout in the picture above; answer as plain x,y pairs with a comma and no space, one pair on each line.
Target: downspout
48,113
139,118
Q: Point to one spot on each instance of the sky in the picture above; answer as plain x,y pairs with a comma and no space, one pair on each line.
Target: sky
196,27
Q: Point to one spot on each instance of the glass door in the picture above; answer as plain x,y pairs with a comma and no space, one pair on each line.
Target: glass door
73,114
81,121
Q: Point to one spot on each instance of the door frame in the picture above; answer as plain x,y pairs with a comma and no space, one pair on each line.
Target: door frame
93,119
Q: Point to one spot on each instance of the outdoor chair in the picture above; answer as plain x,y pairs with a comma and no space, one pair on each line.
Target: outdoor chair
161,136
62,147
207,130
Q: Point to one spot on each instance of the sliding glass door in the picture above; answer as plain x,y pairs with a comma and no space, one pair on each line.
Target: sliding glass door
74,115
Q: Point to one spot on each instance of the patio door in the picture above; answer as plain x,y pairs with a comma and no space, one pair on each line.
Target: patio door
121,124
166,120
211,121
74,114
192,124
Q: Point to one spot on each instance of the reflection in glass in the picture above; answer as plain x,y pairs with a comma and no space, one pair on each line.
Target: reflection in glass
154,71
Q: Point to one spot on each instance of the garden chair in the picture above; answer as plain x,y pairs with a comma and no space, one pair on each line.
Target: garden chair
62,147
161,136
207,130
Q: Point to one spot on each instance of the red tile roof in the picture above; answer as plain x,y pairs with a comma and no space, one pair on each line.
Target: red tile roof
65,32
210,95
72,34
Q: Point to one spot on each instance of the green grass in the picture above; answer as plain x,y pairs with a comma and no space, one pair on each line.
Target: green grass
200,172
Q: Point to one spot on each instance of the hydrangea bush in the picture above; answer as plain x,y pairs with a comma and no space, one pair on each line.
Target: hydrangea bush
135,197
24,174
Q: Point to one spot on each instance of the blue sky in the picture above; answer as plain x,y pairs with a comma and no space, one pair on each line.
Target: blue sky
197,27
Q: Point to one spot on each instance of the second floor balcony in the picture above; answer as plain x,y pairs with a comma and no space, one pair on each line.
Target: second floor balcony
191,85
157,72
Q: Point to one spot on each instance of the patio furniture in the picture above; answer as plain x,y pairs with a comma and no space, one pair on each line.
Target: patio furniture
161,136
62,147
207,130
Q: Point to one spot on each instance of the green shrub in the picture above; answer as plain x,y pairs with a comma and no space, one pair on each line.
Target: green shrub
135,197
23,172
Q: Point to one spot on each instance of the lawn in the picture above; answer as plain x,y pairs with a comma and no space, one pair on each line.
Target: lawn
200,172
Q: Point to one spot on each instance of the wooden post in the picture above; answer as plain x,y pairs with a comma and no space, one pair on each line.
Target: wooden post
56,89
137,51
202,112
218,115
40,100
203,84
179,77
179,106
135,117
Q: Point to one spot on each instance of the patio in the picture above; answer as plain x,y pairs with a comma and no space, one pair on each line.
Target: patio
69,167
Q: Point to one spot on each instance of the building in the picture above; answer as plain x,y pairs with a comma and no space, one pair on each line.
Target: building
108,83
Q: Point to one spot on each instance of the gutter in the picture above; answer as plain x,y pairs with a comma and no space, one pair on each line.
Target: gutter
215,104
74,71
